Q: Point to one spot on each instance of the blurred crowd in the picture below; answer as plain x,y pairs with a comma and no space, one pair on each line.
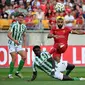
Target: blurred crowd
40,14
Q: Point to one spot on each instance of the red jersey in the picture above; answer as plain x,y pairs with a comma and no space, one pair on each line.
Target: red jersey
61,32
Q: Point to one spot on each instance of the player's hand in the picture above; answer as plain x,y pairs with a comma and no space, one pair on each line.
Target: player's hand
53,72
55,36
16,42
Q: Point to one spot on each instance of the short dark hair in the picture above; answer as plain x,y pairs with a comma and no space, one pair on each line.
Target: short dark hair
36,46
59,19
20,14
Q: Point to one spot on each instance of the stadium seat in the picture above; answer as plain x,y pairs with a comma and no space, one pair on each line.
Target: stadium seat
5,23
45,24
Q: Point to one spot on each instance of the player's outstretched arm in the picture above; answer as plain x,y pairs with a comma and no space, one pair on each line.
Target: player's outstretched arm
33,76
53,62
53,65
79,32
50,35
54,36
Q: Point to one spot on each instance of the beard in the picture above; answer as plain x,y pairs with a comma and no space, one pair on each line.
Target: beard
60,26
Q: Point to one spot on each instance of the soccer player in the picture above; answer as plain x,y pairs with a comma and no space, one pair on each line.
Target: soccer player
60,35
46,63
17,38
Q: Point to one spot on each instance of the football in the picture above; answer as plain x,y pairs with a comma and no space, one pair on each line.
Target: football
59,7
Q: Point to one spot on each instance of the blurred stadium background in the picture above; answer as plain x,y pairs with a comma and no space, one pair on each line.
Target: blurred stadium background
37,35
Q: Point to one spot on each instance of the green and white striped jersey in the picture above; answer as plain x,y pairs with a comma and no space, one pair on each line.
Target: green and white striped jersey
43,63
17,32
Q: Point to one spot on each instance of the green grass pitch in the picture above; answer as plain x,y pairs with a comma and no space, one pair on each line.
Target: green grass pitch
42,78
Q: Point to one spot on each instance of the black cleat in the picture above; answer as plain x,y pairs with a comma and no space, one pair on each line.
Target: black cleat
18,75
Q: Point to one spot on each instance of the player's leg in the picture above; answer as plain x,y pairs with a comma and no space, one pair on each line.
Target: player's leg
52,50
69,68
22,53
60,76
13,55
65,66
22,61
62,48
56,56
61,66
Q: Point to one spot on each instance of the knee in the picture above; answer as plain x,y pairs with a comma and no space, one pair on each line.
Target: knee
73,66
14,59
23,58
70,67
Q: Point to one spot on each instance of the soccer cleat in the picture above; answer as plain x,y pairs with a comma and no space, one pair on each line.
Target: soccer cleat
18,75
10,77
82,78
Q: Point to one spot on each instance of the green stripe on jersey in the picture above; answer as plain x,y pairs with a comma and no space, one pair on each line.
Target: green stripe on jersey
43,63
17,31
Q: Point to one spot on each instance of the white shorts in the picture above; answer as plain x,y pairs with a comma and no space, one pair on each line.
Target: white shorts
62,66
58,75
13,48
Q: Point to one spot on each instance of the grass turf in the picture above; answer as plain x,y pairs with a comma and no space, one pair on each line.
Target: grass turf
42,78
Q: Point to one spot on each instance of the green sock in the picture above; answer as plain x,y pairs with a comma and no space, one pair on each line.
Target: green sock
11,67
76,79
20,65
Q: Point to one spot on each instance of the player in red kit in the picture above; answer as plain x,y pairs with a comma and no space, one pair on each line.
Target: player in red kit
60,35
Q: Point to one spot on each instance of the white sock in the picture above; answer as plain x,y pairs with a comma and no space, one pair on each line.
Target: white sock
10,74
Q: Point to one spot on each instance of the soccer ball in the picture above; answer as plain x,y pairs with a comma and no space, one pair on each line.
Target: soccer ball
59,7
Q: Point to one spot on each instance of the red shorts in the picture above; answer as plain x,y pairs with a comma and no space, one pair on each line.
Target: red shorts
58,49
